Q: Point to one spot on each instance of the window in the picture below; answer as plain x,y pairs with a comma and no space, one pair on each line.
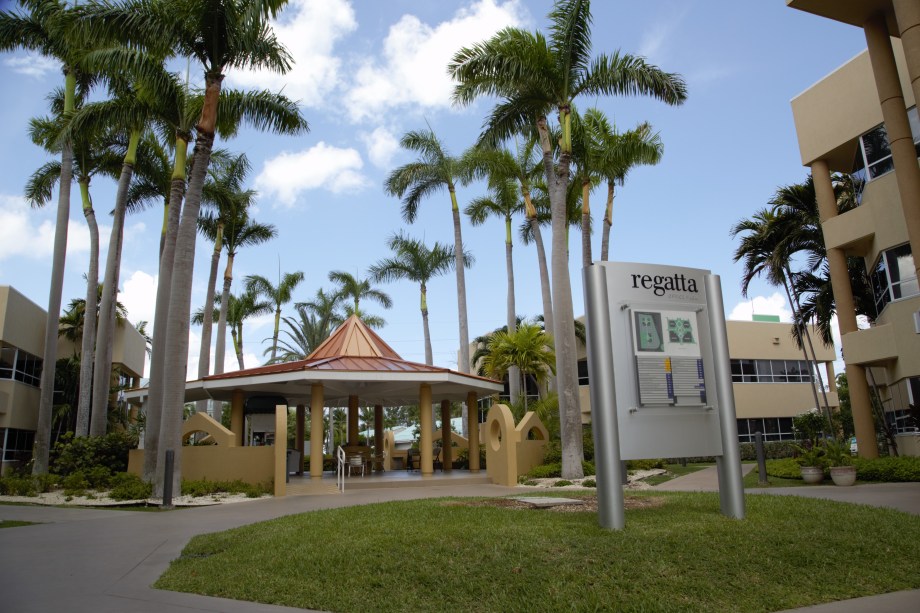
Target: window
582,372
771,371
873,159
20,365
894,277
16,444
772,428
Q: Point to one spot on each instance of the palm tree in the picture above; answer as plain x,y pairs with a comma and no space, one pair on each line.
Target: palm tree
239,309
353,287
279,295
304,335
238,231
433,171
620,153
415,261
528,348
44,26
534,76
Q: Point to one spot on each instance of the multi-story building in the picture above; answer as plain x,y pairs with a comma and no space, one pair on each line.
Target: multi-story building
771,378
862,120
22,333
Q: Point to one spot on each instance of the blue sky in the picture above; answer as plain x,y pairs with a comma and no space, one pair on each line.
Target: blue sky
367,72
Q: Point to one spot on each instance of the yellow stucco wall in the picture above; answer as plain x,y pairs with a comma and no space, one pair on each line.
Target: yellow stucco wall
253,465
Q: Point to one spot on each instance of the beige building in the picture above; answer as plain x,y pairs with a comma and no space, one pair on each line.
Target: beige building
22,332
862,120
771,379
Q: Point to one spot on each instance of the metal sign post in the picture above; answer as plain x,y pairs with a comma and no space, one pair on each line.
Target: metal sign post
660,376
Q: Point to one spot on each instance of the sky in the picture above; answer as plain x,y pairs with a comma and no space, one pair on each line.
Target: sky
367,72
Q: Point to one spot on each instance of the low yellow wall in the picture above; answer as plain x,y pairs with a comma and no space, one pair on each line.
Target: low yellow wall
253,465
908,444
509,452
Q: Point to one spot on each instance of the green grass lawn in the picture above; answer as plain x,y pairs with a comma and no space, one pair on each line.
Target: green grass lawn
12,523
674,471
678,555
752,479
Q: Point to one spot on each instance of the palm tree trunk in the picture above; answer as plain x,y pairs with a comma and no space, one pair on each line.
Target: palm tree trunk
220,346
429,356
181,294
514,373
585,224
277,329
161,315
88,343
105,335
237,333
464,364
563,330
204,355
42,445
608,222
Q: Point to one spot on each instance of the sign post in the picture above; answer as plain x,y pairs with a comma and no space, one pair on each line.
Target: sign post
660,376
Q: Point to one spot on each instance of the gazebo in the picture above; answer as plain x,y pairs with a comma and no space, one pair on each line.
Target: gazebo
354,367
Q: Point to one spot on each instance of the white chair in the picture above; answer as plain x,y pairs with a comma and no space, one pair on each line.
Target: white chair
355,462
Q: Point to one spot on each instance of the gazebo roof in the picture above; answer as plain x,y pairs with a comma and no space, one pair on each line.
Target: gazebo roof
353,361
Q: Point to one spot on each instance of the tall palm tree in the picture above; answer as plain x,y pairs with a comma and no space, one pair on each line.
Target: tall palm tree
433,171
44,26
503,202
354,288
534,76
219,34
415,261
528,349
239,309
303,334
278,294
239,231
619,154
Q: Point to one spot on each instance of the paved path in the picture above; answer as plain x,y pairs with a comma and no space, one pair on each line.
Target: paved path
99,561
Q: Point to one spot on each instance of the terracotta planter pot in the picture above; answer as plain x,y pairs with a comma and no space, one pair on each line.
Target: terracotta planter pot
812,474
843,475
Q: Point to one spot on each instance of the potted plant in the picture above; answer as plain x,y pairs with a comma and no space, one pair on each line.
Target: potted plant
811,463
838,458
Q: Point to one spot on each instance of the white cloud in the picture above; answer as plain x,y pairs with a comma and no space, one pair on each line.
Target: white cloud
139,295
413,66
25,232
309,29
381,145
774,304
32,65
286,176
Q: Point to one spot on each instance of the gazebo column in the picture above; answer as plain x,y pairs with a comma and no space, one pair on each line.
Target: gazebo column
446,453
426,428
352,420
378,436
472,412
316,431
236,415
298,443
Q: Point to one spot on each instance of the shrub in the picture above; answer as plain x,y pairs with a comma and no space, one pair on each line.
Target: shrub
15,485
99,477
552,453
888,469
82,454
589,483
128,486
772,450
45,483
562,483
75,484
645,464
546,471
204,487
587,468
786,469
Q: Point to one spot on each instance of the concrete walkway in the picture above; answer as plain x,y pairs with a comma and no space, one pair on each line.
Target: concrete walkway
101,561
900,496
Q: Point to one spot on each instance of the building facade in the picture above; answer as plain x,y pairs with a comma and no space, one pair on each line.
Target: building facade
862,120
22,333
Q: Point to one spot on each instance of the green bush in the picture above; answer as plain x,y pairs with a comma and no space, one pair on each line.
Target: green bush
786,469
99,477
562,483
888,469
588,468
45,483
204,487
15,485
552,453
546,471
772,450
589,483
128,486
75,484
82,454
645,464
